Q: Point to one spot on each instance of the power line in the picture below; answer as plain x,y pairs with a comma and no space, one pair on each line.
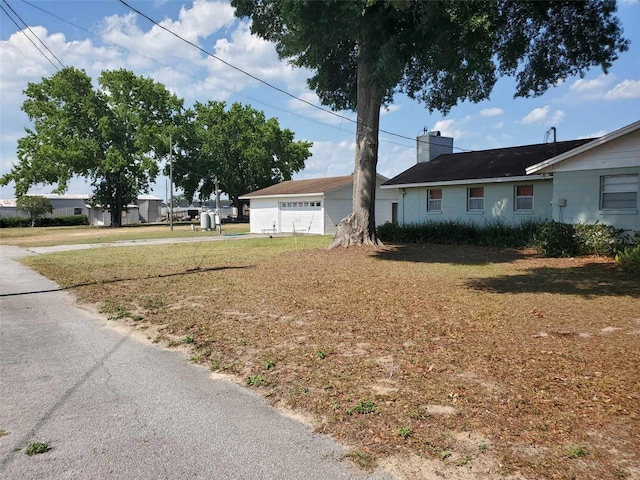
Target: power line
308,118
218,86
264,82
32,33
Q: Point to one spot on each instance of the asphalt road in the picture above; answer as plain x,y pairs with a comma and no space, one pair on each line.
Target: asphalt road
113,406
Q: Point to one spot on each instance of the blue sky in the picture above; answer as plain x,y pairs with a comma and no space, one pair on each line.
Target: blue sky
104,35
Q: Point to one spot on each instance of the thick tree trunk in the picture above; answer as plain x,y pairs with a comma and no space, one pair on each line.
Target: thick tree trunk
359,228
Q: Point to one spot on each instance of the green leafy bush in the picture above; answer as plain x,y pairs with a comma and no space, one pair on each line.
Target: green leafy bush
629,259
598,239
13,222
64,221
558,240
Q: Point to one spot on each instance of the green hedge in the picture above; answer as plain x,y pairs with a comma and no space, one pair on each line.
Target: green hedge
494,234
552,238
68,221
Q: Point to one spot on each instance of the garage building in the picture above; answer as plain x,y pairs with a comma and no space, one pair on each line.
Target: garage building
313,206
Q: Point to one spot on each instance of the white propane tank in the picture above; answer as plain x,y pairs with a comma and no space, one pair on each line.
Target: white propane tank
205,221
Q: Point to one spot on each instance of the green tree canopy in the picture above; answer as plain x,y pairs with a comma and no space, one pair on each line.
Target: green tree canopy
113,135
35,205
239,146
363,52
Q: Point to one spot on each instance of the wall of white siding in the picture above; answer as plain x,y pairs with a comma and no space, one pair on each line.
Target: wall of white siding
581,191
384,200
499,204
338,204
150,210
263,215
577,182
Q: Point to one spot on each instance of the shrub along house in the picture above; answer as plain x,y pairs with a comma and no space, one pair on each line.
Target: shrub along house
312,206
531,182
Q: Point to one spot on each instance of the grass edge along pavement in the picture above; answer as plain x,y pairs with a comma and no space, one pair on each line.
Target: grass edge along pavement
533,357
51,236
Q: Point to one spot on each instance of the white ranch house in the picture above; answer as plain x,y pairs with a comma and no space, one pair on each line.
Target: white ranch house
313,206
578,181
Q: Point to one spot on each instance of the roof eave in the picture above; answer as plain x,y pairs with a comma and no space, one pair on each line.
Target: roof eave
583,148
282,195
470,181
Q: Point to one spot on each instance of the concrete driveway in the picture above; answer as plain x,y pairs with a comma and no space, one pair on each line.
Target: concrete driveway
113,406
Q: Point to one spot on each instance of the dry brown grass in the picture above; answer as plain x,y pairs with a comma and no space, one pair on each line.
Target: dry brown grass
489,362
47,236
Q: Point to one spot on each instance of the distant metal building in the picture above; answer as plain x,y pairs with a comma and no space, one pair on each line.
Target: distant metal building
78,204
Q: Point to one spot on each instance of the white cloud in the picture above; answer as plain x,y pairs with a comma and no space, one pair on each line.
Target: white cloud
582,85
491,112
536,115
597,134
498,125
542,114
625,89
329,159
393,159
591,89
449,128
199,21
557,117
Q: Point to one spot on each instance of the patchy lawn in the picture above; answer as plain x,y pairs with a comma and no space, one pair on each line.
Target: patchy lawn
461,361
47,236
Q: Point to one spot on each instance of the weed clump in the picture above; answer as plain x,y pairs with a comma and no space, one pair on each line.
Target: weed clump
36,448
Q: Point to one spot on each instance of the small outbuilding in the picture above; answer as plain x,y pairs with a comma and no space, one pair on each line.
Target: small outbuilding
313,206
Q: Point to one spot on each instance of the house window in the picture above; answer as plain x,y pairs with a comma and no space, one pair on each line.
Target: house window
475,198
434,200
619,192
77,210
524,197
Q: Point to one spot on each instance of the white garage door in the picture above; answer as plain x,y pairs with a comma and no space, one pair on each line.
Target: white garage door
301,216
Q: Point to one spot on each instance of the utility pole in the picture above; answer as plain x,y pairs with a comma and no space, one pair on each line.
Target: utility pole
217,194
218,212
171,183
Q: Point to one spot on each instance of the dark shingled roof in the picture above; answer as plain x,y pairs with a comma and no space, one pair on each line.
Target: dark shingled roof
497,163
299,187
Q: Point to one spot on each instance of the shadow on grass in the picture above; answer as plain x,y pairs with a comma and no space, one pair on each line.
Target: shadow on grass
116,280
590,280
452,254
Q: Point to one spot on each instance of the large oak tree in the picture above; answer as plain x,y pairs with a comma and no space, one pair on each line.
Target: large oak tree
113,135
239,146
363,52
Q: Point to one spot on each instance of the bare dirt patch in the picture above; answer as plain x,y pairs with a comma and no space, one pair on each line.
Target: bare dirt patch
442,362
